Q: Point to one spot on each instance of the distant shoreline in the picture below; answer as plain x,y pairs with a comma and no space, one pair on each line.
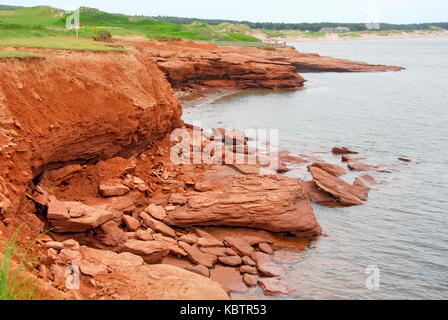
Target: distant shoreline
394,35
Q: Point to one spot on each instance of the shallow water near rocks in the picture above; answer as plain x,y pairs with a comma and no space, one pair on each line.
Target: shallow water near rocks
402,229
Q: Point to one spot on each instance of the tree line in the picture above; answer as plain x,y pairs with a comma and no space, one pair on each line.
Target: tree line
314,27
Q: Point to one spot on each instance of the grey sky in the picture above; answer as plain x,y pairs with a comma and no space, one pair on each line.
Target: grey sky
394,11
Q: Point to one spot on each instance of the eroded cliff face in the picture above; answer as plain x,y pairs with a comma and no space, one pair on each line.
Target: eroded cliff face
200,65
192,65
85,149
83,107
77,107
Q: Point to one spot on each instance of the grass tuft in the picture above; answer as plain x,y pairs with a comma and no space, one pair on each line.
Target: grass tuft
16,54
14,284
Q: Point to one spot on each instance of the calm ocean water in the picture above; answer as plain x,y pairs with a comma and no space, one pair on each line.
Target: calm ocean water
403,228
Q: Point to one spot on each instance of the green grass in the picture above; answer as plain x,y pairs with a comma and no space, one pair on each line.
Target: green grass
45,21
7,7
14,284
242,37
41,15
16,54
65,43
293,33
15,30
38,36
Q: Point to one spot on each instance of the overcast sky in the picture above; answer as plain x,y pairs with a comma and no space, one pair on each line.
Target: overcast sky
394,11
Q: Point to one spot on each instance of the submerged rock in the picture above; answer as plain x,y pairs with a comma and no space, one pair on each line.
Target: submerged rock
361,166
286,256
365,181
274,286
343,150
347,194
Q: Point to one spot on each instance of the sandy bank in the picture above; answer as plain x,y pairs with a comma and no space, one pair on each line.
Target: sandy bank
423,34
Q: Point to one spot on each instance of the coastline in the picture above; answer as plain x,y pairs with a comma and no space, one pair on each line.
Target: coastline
191,99
330,37
143,207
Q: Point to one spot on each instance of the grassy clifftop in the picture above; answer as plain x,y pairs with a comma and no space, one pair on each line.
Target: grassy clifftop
47,21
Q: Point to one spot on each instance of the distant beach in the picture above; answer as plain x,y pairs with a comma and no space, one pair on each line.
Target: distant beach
372,35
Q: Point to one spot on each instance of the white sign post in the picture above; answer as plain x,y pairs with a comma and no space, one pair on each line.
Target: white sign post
72,22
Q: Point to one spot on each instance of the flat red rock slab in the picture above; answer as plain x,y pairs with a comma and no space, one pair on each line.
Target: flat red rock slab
274,286
248,269
266,248
199,269
177,262
364,183
361,166
248,261
205,239
250,280
332,169
197,256
230,260
251,236
343,150
347,194
286,256
230,278
217,251
367,179
347,158
240,246
285,156
317,195
266,266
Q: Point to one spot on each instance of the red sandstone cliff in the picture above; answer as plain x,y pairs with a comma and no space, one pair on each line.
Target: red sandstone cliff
86,107
190,64
70,107
77,107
